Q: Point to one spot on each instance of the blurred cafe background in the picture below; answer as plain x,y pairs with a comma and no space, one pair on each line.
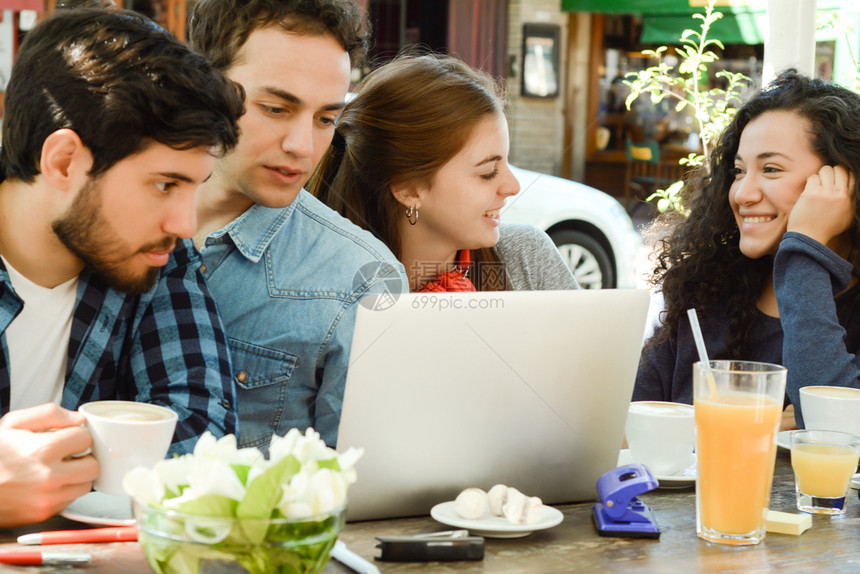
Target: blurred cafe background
563,61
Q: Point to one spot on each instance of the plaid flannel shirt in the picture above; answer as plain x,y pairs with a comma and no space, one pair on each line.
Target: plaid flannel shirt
166,347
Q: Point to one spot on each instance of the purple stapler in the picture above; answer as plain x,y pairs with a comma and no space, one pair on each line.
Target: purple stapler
620,512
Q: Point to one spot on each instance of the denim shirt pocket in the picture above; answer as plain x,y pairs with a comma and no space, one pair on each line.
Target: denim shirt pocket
261,375
257,366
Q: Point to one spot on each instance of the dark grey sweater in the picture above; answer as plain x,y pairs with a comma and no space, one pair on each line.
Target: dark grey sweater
808,337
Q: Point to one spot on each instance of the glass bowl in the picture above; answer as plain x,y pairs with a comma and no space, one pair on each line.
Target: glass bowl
178,543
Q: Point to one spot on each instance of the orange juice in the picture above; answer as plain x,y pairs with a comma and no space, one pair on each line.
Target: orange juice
823,470
735,452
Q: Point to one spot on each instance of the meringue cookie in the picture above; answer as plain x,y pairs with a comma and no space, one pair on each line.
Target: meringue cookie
471,504
522,509
496,497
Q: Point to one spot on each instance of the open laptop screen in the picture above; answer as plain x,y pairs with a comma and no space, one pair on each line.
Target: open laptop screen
525,388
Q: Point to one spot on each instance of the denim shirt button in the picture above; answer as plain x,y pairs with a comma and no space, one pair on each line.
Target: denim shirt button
203,268
241,376
226,404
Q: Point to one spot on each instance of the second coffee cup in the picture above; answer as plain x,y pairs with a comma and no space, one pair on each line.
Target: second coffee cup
661,435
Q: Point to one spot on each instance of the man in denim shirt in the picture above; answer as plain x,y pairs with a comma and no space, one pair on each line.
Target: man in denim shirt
110,125
287,271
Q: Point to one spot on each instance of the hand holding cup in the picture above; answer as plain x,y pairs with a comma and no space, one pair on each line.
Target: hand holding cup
126,435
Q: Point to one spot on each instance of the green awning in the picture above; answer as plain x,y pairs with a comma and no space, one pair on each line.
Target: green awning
644,7
739,28
663,21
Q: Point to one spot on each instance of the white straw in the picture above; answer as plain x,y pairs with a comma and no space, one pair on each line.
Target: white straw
700,341
703,352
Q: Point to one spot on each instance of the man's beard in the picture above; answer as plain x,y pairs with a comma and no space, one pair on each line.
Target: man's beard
86,233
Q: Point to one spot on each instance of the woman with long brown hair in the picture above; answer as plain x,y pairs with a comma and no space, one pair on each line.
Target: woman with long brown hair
420,159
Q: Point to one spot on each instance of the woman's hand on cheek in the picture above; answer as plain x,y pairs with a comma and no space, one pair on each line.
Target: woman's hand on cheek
825,209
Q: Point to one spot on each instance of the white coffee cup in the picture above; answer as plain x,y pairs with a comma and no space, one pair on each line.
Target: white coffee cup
661,435
831,408
126,435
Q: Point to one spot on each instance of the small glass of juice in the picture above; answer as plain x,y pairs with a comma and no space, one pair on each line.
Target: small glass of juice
824,462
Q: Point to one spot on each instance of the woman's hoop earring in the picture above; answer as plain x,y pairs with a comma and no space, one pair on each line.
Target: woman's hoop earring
412,215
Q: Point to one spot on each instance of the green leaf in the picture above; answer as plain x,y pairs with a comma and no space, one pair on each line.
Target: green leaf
263,495
186,560
242,471
256,561
331,464
630,99
210,505
265,491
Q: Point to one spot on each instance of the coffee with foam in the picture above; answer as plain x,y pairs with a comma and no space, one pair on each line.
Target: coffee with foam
839,392
126,435
127,411
661,409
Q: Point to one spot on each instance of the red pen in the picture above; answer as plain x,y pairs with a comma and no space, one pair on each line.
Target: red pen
36,558
112,534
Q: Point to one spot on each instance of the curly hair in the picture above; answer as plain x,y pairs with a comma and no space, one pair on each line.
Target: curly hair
699,263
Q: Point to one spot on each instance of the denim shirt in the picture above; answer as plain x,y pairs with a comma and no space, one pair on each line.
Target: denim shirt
287,282
165,347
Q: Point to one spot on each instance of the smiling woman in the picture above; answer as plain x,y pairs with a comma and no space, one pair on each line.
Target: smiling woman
769,251
420,159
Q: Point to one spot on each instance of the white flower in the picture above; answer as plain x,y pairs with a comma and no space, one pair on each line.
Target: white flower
219,472
317,493
305,448
296,510
225,450
172,474
347,461
139,483
207,476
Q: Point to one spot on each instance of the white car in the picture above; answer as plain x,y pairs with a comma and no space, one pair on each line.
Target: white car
592,230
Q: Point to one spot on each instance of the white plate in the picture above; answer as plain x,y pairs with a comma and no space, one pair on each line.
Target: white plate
683,479
783,439
494,526
100,509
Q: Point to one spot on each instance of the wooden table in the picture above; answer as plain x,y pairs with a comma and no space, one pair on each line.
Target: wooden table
831,545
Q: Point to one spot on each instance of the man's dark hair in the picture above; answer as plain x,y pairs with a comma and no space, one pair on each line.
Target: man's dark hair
121,83
219,28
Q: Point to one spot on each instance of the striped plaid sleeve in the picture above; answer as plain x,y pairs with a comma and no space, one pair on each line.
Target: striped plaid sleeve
180,358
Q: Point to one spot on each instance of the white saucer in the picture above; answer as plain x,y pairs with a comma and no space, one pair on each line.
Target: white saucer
683,479
783,439
100,509
494,526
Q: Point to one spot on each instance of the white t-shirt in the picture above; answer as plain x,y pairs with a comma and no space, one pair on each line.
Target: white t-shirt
38,340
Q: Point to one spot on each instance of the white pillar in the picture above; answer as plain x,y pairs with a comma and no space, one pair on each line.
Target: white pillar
790,38
7,46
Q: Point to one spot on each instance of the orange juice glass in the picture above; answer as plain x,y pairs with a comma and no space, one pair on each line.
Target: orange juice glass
823,462
738,407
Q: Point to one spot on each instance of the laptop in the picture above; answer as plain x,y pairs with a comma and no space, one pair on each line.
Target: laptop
529,389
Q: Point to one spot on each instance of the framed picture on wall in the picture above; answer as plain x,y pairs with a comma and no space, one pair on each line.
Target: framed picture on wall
540,78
